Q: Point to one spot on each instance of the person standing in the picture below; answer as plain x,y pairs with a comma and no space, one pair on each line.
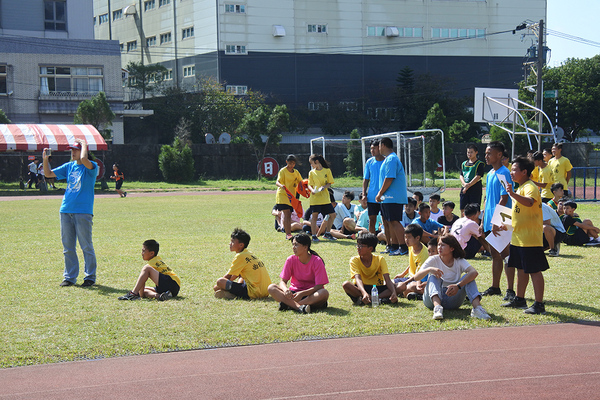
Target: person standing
288,179
119,177
76,211
371,185
561,167
33,174
471,172
392,195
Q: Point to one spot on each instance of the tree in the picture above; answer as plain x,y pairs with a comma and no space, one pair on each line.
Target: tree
433,146
354,160
145,78
176,162
3,118
458,131
264,121
96,112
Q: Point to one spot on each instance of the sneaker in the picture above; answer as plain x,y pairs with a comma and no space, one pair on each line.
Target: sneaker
130,296
398,252
479,312
557,249
283,306
224,294
87,283
387,250
385,300
492,291
438,312
288,237
66,283
536,308
553,253
414,296
517,302
124,194
486,254
315,239
510,294
164,296
304,309
593,242
327,235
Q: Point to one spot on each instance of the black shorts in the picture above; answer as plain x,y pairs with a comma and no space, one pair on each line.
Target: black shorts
472,248
558,238
119,184
368,288
579,238
546,199
312,307
392,211
283,207
240,290
373,208
324,209
166,283
473,195
529,259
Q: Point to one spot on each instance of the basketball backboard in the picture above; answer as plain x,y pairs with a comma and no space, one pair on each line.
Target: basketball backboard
488,111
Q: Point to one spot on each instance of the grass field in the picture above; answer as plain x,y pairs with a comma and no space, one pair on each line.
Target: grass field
45,323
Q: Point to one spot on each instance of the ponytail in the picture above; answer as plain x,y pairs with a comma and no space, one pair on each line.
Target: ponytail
305,240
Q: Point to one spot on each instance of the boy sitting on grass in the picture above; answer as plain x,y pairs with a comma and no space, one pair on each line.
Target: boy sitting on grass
167,282
367,270
448,218
253,277
431,228
467,231
410,212
558,192
434,202
579,233
417,255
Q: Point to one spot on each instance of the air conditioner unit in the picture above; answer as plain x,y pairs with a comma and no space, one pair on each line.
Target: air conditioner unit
278,31
391,31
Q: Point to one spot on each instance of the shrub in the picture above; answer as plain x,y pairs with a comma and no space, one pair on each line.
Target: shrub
176,162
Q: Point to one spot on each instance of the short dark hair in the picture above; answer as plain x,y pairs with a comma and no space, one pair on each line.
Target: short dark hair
451,241
496,145
432,242
423,206
449,204
387,142
361,196
349,194
368,239
538,156
555,186
374,142
471,209
241,235
570,203
412,201
435,197
473,147
557,145
524,164
530,153
414,230
152,245
419,195
563,199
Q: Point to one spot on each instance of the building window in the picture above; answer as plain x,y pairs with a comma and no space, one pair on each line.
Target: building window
117,14
402,32
235,8
318,28
189,71
3,79
349,105
121,47
187,33
165,38
55,18
103,19
94,21
465,33
168,76
375,30
318,106
149,5
237,90
131,46
163,2
71,80
151,41
235,49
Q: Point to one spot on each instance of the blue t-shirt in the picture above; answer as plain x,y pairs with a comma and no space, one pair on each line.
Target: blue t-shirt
493,191
392,168
429,225
79,194
372,168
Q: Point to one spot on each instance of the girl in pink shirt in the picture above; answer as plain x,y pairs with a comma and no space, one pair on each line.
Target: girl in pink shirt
306,270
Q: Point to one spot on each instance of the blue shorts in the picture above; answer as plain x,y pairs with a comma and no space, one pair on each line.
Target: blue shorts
373,208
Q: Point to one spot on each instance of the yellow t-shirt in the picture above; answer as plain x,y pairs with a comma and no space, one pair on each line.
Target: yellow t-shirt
535,174
560,167
372,275
415,261
317,179
546,177
254,273
158,264
528,227
290,180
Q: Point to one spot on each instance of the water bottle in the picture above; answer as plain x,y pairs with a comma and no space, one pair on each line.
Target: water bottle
374,296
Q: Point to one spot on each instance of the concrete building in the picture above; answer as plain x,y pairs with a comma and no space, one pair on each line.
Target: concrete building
50,62
310,52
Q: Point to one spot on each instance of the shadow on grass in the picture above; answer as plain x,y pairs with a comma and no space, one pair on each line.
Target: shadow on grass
464,313
571,256
571,306
338,312
105,290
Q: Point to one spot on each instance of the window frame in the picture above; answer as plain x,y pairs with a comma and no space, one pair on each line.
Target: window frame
151,41
232,8
54,21
166,38
243,49
75,77
132,46
4,80
189,71
117,14
149,5
190,33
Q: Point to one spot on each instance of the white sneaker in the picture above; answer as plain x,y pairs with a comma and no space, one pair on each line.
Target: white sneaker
438,312
479,312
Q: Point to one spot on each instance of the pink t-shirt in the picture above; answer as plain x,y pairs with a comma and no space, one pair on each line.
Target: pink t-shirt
304,276
463,228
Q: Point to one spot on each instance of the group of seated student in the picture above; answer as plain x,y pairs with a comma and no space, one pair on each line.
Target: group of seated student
439,276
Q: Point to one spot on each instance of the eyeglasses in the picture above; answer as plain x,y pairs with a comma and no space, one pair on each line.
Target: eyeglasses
360,246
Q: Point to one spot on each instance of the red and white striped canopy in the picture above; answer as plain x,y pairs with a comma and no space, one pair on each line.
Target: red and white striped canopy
36,137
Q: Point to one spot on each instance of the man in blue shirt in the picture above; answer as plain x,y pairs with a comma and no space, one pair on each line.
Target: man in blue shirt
371,184
392,195
76,211
495,193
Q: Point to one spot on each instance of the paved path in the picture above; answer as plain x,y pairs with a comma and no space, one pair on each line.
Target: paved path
559,361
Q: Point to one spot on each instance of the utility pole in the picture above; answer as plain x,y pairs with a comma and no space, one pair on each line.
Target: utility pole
540,66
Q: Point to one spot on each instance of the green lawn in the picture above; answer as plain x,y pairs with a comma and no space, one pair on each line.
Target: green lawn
45,323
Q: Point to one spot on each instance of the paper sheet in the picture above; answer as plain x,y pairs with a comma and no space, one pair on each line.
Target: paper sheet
502,216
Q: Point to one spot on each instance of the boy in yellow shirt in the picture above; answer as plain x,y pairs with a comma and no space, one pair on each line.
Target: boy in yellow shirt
167,282
561,167
526,245
253,277
417,255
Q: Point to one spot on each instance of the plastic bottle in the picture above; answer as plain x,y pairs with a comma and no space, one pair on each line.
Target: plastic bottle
374,296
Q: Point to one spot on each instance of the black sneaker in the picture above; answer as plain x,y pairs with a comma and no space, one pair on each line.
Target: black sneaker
164,296
492,291
385,300
66,283
414,296
329,236
510,294
486,254
517,302
130,296
283,306
536,308
304,309
87,283
387,250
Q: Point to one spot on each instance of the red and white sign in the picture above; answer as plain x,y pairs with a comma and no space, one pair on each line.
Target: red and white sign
101,169
268,167
36,137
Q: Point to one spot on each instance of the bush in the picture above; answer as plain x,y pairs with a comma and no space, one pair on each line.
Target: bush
176,162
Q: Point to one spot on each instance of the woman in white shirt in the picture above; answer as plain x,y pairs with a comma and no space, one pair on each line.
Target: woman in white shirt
451,278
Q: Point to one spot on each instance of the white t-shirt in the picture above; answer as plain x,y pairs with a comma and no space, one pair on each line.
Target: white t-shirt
341,213
463,228
550,214
435,216
452,274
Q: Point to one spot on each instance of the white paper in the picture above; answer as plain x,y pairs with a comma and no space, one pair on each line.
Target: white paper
502,216
502,180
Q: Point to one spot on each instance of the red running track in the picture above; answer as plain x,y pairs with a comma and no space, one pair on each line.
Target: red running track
558,361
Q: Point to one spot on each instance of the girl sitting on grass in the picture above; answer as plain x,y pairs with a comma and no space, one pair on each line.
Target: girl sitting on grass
306,270
451,278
